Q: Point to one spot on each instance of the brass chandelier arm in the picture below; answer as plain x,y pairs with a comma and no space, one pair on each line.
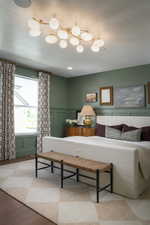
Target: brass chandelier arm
40,21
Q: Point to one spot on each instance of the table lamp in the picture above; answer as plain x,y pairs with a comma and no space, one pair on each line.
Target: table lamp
88,112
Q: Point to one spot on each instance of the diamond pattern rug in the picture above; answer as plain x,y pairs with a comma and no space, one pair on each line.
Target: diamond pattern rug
76,203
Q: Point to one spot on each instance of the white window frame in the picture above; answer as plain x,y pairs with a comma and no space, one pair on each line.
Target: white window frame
20,106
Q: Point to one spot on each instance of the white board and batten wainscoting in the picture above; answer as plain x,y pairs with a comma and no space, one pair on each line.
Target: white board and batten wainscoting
136,121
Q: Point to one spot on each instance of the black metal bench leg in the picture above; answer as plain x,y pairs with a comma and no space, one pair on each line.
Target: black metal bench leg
97,184
77,177
111,178
52,167
36,165
62,174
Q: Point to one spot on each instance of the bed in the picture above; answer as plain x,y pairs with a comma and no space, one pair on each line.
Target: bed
130,159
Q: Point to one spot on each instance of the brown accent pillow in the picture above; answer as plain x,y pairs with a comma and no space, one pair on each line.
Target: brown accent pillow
127,128
118,127
145,133
100,129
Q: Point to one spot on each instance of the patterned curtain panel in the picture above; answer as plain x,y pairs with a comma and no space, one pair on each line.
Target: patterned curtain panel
43,109
7,134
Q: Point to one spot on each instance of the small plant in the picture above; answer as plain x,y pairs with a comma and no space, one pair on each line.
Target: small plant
71,123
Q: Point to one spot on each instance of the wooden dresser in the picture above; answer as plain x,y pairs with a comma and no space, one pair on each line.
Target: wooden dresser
79,131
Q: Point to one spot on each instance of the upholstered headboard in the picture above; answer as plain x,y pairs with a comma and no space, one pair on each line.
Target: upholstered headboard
137,121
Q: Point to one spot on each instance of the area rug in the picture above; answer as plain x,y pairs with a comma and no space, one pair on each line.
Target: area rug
73,205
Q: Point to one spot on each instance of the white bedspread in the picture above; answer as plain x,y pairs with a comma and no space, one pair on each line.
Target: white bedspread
142,147
126,157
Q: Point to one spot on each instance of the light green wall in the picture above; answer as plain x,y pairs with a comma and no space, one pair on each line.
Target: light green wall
25,145
79,86
59,104
26,72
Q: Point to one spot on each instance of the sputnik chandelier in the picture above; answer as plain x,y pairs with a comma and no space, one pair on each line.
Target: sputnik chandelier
56,33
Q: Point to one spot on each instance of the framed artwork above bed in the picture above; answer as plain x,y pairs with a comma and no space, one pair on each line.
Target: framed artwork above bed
106,95
91,97
130,97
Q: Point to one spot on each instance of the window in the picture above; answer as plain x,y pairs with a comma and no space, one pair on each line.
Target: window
26,102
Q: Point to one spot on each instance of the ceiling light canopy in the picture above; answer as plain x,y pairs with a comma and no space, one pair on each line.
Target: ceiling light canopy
76,36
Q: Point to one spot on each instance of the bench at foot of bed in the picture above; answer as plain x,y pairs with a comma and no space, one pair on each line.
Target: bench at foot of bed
77,163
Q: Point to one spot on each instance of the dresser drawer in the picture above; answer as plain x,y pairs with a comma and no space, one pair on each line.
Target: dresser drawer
79,131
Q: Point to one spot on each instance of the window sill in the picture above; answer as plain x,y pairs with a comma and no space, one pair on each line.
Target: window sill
26,134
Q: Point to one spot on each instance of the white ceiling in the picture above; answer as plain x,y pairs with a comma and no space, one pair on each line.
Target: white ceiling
123,24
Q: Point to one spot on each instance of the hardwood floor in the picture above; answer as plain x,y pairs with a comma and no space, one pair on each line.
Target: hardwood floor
13,212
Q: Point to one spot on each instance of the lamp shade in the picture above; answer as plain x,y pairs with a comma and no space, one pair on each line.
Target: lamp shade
87,110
